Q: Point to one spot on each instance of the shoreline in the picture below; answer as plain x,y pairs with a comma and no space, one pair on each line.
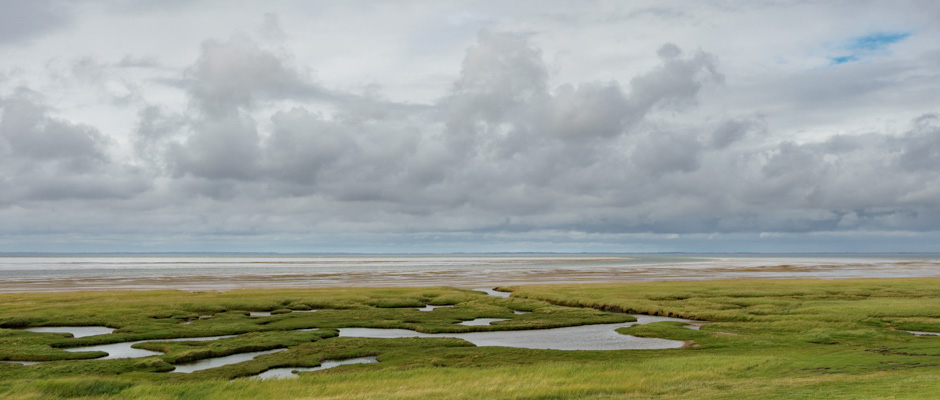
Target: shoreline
469,278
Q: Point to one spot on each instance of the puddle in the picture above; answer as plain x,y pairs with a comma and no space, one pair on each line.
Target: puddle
21,362
304,310
920,333
482,321
124,349
492,292
117,350
432,308
585,337
192,339
201,317
259,314
76,331
517,312
220,361
291,372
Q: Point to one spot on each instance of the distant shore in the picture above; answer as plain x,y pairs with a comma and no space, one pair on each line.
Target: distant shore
447,272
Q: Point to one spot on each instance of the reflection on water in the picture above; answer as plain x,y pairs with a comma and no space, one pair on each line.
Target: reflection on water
291,372
585,337
921,333
432,308
493,292
220,361
125,349
76,331
21,362
482,321
117,350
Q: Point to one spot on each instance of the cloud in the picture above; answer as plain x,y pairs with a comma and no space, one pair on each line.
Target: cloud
26,20
43,158
921,145
545,130
504,145
30,134
237,73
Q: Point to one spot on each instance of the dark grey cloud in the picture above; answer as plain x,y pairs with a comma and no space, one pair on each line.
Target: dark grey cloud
43,158
31,134
220,148
303,146
733,130
252,144
25,20
505,146
921,145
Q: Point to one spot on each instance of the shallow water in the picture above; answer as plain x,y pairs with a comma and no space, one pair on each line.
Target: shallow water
585,337
432,308
220,361
291,372
921,333
76,331
124,349
259,314
517,312
482,321
57,272
493,292
21,362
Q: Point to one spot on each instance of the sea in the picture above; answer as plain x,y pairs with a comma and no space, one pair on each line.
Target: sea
21,272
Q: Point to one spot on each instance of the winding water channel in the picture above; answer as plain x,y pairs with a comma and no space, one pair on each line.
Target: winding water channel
291,372
583,337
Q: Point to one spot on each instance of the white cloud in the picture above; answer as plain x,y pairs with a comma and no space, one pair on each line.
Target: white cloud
522,125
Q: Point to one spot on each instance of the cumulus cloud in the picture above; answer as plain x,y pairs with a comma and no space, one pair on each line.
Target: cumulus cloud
45,158
30,134
507,145
237,73
249,142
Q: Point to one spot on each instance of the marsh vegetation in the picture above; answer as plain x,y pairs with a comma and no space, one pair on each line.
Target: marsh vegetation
764,339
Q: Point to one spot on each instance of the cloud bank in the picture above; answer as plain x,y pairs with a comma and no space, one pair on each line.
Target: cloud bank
243,147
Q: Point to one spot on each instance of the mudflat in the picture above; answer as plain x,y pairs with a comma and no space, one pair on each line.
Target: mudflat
169,273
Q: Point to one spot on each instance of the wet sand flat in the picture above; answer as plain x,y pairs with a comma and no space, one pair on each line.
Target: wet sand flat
442,273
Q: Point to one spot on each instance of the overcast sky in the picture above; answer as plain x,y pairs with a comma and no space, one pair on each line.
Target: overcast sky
477,126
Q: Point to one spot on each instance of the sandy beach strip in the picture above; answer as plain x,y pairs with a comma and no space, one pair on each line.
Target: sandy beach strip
471,278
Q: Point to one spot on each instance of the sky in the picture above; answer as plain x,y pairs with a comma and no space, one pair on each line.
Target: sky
469,126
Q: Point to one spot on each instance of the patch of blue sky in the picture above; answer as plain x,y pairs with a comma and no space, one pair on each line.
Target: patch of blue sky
876,41
843,59
860,47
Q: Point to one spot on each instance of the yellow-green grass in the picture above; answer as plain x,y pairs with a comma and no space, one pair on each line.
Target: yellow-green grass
765,339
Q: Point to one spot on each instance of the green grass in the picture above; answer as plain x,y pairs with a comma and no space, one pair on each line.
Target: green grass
809,339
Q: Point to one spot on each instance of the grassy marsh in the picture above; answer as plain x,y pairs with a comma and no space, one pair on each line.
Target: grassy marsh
764,339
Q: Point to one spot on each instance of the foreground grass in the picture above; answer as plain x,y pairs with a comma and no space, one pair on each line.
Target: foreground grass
766,339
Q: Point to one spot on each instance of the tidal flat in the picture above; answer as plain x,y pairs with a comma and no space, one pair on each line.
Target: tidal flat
809,338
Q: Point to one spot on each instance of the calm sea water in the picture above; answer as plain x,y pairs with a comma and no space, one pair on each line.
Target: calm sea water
27,272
